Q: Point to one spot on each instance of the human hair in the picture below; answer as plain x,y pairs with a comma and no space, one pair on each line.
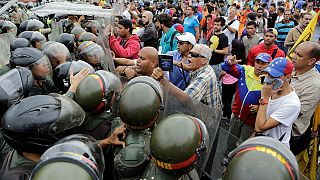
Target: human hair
304,5
260,9
273,5
238,49
315,51
119,17
250,23
165,19
306,13
126,23
264,5
251,16
281,9
221,20
192,7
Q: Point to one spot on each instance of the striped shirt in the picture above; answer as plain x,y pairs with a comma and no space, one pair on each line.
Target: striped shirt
203,86
283,30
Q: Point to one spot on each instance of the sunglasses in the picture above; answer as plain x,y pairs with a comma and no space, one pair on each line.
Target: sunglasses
196,55
182,42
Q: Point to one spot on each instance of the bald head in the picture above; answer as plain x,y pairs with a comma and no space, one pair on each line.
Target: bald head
147,17
148,60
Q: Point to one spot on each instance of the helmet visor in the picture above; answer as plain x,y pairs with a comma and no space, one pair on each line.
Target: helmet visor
41,68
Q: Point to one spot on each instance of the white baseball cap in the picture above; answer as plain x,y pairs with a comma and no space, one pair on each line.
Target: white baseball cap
187,37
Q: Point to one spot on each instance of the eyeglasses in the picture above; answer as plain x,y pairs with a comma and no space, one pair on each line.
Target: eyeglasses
182,42
196,55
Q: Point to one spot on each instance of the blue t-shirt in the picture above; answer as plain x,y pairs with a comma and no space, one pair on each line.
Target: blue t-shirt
190,23
318,67
178,77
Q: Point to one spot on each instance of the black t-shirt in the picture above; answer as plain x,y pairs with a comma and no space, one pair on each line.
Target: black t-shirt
223,43
272,20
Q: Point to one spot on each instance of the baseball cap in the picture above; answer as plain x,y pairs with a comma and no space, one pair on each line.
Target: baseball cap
273,31
264,57
279,66
202,50
187,37
179,27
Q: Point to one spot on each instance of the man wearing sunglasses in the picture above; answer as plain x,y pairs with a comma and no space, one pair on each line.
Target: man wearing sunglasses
179,76
203,85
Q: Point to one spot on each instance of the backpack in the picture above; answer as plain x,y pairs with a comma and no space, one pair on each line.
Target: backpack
172,38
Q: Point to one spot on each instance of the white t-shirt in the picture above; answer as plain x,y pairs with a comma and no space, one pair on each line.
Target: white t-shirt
285,110
229,34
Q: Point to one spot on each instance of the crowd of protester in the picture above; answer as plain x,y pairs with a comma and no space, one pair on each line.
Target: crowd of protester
228,55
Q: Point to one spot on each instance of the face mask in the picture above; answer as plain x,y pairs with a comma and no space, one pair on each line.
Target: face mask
278,82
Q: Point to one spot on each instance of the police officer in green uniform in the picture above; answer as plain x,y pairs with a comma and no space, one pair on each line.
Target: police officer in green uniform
94,54
261,158
76,156
32,126
95,94
40,66
176,144
139,108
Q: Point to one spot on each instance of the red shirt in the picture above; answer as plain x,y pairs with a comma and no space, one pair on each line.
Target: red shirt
260,48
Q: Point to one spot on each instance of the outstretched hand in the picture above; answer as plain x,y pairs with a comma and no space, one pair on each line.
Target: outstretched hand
75,80
232,60
114,138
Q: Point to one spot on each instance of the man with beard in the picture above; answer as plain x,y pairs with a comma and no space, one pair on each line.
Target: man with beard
218,45
145,64
150,34
261,22
267,47
272,16
296,32
191,23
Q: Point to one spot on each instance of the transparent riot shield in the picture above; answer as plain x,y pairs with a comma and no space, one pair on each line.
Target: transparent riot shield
5,40
56,30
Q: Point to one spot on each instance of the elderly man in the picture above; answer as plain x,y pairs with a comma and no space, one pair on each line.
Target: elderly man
144,65
150,34
306,83
203,84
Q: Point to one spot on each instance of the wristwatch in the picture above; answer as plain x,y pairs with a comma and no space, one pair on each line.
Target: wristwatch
263,101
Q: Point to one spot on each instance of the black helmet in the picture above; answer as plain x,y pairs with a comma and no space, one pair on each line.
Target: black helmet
14,85
73,157
57,53
68,40
26,35
176,142
95,92
32,58
8,26
33,37
140,102
19,43
61,73
262,157
34,25
92,53
37,122
87,36
76,31
23,26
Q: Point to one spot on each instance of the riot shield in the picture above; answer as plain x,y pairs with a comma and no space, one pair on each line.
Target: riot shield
5,40
209,164
56,30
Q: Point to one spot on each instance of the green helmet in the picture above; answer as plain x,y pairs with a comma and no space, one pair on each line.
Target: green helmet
95,92
177,142
76,156
140,102
262,157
